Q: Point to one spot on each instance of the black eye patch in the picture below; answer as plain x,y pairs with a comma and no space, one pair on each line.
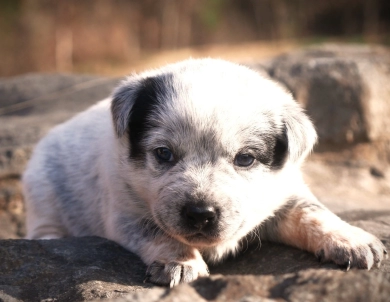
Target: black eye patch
269,150
280,150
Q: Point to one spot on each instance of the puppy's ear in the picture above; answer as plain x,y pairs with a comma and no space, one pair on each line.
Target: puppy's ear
301,134
134,100
123,100
133,104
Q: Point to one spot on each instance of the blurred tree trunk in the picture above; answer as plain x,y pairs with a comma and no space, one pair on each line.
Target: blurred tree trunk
350,25
38,27
185,22
282,20
169,25
264,17
64,36
371,19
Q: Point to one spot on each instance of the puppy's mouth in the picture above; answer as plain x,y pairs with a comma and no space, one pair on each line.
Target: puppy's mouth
197,238
201,239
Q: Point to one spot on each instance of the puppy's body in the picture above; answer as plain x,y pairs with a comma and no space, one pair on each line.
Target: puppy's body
181,165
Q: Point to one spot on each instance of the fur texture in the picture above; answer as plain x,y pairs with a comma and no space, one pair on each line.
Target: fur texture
180,166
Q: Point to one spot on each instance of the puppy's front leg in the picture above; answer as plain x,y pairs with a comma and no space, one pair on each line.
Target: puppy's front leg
307,224
169,261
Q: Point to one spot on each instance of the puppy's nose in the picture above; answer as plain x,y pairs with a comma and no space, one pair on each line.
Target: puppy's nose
199,217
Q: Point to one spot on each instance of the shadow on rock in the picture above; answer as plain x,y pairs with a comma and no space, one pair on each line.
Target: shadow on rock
71,269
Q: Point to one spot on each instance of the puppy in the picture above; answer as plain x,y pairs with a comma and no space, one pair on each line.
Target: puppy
181,166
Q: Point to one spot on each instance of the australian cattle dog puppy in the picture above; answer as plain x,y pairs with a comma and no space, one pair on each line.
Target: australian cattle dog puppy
180,166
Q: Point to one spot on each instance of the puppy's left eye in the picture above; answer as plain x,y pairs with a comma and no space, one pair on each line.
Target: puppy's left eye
244,160
163,154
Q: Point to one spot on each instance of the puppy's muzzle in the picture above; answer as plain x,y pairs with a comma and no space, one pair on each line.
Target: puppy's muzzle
199,217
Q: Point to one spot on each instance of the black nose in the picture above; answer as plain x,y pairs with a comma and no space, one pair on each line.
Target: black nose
199,217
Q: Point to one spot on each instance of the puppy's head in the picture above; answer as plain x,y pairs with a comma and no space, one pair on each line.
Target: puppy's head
210,146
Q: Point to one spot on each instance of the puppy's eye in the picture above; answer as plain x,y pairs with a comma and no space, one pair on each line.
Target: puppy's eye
163,154
244,160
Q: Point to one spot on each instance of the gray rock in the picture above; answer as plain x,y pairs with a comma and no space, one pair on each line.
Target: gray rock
345,89
72,269
82,269
309,285
31,105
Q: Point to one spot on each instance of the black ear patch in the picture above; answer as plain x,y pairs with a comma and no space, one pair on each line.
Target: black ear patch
273,152
132,105
146,100
150,94
280,150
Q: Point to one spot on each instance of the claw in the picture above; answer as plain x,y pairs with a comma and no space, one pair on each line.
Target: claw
147,279
172,284
346,265
320,256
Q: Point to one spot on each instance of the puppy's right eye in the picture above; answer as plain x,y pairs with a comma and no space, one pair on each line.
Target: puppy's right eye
163,154
244,160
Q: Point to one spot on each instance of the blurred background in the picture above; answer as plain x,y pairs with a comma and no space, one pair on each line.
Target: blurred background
120,36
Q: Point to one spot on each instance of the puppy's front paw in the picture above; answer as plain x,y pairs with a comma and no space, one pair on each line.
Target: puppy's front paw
175,272
351,247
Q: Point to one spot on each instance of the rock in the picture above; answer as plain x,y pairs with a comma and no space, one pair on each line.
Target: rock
343,183
345,90
72,269
309,285
84,269
11,208
32,104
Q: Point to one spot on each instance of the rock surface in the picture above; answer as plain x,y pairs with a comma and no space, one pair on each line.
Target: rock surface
32,104
80,269
310,285
345,89
74,269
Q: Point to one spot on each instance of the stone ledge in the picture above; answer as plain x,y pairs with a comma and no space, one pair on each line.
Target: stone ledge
83,269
